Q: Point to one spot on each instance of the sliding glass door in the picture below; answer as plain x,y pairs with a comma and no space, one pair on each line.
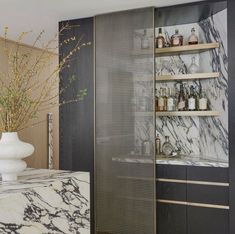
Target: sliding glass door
124,119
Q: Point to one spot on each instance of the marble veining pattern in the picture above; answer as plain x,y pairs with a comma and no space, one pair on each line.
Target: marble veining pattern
46,201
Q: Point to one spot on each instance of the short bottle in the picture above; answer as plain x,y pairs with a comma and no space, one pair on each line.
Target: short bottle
193,68
160,40
158,145
193,39
170,101
192,99
203,102
167,147
177,39
181,99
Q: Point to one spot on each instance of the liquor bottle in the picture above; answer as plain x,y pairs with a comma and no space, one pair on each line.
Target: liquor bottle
193,68
158,145
161,101
160,40
192,100
177,39
167,40
165,97
144,40
203,102
167,147
156,100
181,99
193,39
170,101
186,97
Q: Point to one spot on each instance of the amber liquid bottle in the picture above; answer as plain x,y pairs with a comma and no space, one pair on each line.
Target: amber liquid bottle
177,39
160,40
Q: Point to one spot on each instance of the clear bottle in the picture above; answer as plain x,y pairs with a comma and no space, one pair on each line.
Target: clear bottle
160,40
203,102
158,145
161,101
193,39
177,39
165,96
193,68
170,101
192,100
167,147
181,99
144,40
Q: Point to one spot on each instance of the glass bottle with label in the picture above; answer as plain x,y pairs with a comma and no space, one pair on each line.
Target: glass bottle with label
160,40
144,40
181,99
203,102
167,147
161,101
192,100
193,39
170,101
193,68
177,39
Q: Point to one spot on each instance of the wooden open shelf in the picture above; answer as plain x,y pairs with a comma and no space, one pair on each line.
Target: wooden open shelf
188,76
187,113
186,49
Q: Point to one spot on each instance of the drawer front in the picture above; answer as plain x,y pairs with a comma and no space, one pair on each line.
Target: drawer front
212,174
207,194
171,172
171,191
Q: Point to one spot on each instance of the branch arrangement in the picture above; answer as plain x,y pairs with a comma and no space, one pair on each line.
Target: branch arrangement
24,93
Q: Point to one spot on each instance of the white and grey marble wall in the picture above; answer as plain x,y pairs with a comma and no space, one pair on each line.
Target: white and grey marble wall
204,136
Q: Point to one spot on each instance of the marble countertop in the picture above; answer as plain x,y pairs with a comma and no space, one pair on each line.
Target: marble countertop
187,161
46,201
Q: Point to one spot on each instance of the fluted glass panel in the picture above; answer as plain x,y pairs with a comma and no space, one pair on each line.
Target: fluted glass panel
125,129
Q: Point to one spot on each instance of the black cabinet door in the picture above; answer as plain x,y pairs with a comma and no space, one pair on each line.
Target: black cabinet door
201,220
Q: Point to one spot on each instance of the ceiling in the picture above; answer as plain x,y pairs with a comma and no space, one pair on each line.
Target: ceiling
36,15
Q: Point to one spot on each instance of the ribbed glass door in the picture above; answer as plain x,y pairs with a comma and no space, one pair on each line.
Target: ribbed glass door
125,129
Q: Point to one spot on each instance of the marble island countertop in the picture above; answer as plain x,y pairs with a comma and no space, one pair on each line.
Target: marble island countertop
46,201
187,161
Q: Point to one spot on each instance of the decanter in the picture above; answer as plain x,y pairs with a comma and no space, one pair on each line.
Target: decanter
167,147
193,39
193,68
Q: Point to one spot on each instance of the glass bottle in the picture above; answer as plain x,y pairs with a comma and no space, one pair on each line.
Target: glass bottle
165,96
167,147
160,40
177,39
181,98
170,101
193,68
203,102
158,145
193,39
144,40
161,101
192,100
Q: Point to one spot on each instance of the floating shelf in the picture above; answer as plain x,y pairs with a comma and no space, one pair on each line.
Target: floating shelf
187,113
186,49
188,76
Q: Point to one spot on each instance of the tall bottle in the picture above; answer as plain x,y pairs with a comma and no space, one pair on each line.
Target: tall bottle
165,96
170,101
203,102
160,40
192,100
177,39
158,145
193,39
181,98
161,101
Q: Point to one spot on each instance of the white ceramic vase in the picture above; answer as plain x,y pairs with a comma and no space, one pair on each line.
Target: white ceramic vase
12,151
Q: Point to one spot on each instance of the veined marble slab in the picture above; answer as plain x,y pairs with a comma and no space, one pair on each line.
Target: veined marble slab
174,161
46,201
